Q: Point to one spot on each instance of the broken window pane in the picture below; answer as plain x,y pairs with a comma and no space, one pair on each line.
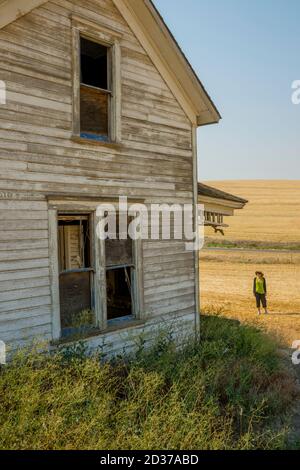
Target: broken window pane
76,275
119,274
118,252
94,64
75,298
74,241
95,90
119,293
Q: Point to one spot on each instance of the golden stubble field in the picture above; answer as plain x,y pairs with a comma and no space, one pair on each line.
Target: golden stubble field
226,277
272,214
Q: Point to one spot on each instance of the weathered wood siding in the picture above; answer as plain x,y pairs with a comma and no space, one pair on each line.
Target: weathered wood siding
25,303
38,157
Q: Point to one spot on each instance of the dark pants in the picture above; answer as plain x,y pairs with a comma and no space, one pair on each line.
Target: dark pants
261,299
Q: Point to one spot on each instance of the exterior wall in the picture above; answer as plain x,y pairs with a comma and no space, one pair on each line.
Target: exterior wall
25,302
38,157
127,340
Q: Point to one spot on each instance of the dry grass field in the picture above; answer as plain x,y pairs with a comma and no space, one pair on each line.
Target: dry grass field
273,212
226,287
273,215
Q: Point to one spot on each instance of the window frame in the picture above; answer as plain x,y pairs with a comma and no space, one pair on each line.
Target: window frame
96,33
128,264
98,264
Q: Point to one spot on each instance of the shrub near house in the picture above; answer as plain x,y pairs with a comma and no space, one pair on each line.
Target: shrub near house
229,391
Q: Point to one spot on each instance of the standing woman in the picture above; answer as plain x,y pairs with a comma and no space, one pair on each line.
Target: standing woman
260,291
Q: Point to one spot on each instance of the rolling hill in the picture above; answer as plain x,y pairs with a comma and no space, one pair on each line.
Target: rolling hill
272,214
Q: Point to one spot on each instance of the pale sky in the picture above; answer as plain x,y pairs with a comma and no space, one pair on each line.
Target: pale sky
247,54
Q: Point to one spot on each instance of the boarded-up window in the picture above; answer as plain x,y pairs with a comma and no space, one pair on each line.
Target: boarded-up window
95,90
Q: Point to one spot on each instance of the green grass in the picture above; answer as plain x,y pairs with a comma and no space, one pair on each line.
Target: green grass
227,392
250,244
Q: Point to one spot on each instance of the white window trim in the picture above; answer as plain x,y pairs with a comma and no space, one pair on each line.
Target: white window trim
109,38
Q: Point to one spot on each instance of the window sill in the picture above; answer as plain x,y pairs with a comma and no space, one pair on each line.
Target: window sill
120,326
96,143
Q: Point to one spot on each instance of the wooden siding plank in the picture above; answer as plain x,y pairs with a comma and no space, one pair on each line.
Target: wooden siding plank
8,286
26,273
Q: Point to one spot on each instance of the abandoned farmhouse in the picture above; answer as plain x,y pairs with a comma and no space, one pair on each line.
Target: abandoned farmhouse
100,102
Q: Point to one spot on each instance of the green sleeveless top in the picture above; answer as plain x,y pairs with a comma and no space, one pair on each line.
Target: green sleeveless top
260,286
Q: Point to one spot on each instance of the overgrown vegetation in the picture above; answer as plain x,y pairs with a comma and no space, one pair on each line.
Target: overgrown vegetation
227,392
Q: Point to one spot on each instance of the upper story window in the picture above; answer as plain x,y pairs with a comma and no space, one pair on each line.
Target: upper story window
95,90
96,83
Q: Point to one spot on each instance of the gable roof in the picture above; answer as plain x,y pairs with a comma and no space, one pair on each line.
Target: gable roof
209,191
208,100
154,35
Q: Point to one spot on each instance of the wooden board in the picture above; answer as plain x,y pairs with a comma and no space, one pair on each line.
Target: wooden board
153,162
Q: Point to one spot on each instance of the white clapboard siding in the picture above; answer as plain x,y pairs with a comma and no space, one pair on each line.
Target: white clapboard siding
36,329
31,274
181,325
27,313
25,301
38,156
21,284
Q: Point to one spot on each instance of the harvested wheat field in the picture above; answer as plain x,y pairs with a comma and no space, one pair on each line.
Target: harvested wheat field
226,288
272,216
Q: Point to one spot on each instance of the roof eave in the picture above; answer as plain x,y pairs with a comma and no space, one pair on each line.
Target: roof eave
209,115
223,202
207,118
206,191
